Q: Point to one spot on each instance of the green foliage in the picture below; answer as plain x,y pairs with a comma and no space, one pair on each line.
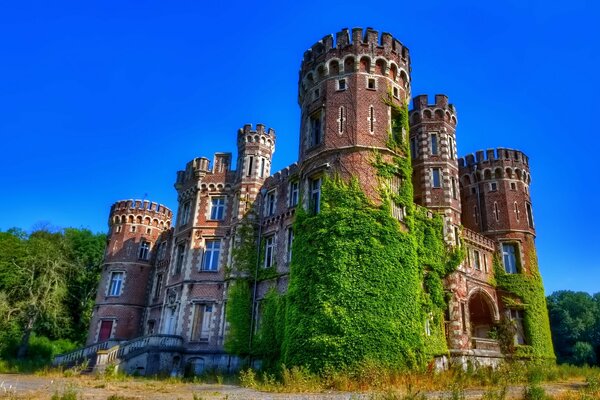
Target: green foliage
269,338
239,315
353,282
575,323
530,290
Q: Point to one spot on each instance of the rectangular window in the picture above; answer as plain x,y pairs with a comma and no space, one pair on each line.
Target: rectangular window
513,186
269,251
436,177
413,147
371,83
116,283
270,203
315,129
509,256
477,260
201,322
157,285
210,260
185,213
493,186
463,316
529,215
217,208
293,200
144,251
434,144
451,147
179,258
162,250
250,162
290,240
454,191
396,92
516,316
262,168
315,195
341,84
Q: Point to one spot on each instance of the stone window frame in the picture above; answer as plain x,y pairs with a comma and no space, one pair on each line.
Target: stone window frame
111,291
211,265
217,212
270,248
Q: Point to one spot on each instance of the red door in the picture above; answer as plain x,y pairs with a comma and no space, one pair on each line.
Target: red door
105,330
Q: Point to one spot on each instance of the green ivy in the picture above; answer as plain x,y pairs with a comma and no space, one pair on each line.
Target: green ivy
239,314
271,329
529,289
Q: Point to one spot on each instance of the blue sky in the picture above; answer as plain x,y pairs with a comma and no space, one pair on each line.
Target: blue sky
102,101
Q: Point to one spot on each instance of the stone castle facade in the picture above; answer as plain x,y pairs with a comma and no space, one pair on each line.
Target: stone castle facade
164,285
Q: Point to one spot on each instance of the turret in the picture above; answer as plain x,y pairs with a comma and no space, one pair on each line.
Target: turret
496,200
135,228
255,152
435,166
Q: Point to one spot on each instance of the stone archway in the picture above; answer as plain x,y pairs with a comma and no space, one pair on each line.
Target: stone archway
482,314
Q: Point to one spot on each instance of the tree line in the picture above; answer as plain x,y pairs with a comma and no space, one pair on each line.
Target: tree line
48,281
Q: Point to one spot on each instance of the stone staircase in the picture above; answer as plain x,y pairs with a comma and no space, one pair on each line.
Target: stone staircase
98,356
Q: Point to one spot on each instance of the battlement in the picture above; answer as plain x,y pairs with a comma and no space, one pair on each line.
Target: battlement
368,39
144,207
281,175
260,130
478,239
493,156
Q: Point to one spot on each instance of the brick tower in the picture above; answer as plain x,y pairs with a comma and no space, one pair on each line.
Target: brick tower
344,116
134,228
496,202
435,165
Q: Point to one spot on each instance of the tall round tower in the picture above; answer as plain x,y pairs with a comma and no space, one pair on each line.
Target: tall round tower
344,92
435,165
496,202
134,228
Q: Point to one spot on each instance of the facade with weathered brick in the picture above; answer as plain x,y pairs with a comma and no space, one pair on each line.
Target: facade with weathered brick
170,276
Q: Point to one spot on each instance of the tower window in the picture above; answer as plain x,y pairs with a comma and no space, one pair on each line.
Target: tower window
395,92
185,213
493,186
496,212
454,191
371,83
293,200
271,203
316,94
210,260
315,195
509,256
315,129
513,186
250,162
179,258
262,167
144,251
517,211
436,177
269,251
434,144
413,147
116,283
529,215
371,119
342,119
476,214
341,84
290,240
217,208
451,147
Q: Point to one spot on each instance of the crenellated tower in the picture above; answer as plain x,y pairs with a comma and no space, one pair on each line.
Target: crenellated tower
434,160
496,201
344,91
135,227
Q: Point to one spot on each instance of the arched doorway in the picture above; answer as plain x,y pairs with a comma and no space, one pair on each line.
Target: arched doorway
481,315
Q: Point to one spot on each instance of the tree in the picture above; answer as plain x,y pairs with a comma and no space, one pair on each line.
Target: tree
575,323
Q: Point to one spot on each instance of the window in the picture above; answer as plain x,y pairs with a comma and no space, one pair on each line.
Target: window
293,200
341,120
290,240
396,93
451,147
270,203
476,214
454,191
436,178
434,144
118,230
162,250
509,255
316,94
463,316
516,316
456,236
315,195
157,285
133,228
185,213
144,251
371,83
179,257
315,129
250,162
341,84
413,147
476,260
496,212
269,251
116,283
150,327
371,119
262,167
210,260
493,186
513,186
517,211
529,214
201,322
217,208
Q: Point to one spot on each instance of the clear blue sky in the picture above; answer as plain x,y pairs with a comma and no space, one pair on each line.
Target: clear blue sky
101,101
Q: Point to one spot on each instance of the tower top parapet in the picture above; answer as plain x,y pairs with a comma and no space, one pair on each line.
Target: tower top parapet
369,42
439,110
494,156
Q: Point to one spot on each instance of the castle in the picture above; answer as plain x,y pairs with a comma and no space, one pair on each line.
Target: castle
163,293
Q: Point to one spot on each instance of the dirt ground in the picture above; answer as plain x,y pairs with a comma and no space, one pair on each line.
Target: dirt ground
88,387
